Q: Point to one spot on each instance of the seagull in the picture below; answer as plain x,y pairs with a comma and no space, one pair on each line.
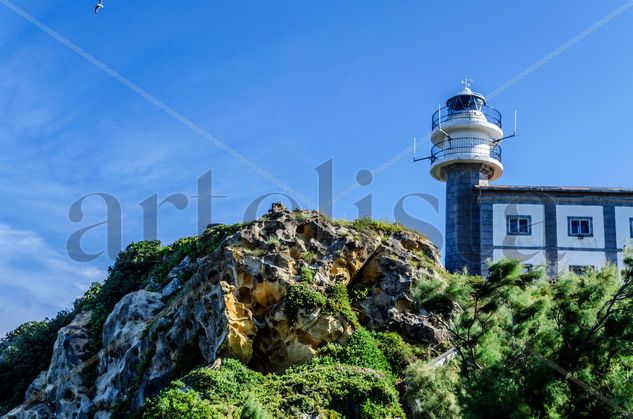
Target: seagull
99,6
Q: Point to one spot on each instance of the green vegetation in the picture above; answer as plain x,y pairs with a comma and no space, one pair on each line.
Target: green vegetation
361,350
530,347
307,275
399,353
381,226
334,390
517,336
127,275
353,380
339,302
299,216
140,262
359,291
27,351
309,257
24,353
302,296
194,247
525,347
273,241
176,403
253,410
431,393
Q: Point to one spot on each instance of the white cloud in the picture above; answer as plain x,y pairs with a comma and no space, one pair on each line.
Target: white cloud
35,280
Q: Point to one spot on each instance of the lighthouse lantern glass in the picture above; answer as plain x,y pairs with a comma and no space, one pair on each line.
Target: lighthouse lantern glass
465,103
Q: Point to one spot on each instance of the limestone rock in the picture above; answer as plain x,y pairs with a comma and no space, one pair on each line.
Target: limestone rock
62,391
170,289
389,276
122,338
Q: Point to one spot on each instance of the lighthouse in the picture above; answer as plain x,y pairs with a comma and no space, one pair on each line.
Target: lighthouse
466,135
559,228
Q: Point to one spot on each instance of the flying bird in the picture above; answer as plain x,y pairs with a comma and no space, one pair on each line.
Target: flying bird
98,6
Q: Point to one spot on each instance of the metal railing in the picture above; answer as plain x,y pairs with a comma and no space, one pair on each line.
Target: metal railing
466,146
446,114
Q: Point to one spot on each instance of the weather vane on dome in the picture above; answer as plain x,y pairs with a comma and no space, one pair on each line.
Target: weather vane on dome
467,82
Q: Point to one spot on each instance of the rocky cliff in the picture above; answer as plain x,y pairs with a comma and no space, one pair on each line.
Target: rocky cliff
270,295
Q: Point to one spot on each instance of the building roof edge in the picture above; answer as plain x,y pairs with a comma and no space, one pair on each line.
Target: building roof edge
555,189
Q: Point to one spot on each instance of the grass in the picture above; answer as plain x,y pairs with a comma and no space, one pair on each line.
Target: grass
301,217
380,226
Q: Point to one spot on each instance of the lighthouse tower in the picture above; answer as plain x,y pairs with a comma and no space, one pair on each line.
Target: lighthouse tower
466,136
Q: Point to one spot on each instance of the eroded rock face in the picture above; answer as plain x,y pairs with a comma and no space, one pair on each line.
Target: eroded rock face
123,339
62,391
388,276
235,305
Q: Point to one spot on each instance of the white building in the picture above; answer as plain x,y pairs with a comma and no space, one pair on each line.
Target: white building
563,229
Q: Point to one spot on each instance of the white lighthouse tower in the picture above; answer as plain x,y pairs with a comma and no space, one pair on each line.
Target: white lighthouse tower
466,136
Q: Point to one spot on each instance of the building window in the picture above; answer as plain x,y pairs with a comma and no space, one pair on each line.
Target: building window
631,226
580,226
580,269
519,225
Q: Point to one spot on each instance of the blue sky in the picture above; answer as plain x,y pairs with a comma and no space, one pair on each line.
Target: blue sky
288,85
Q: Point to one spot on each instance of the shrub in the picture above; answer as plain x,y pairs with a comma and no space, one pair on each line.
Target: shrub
228,385
516,331
194,247
253,410
430,393
307,275
349,391
175,403
339,302
301,296
361,350
328,390
399,354
137,263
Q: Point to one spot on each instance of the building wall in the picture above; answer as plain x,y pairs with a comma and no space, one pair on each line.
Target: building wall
526,256
594,211
623,216
528,249
624,240
500,214
620,260
549,244
567,258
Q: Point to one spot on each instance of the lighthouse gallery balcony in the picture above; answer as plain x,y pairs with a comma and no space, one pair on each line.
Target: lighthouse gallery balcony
483,151
465,148
471,111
